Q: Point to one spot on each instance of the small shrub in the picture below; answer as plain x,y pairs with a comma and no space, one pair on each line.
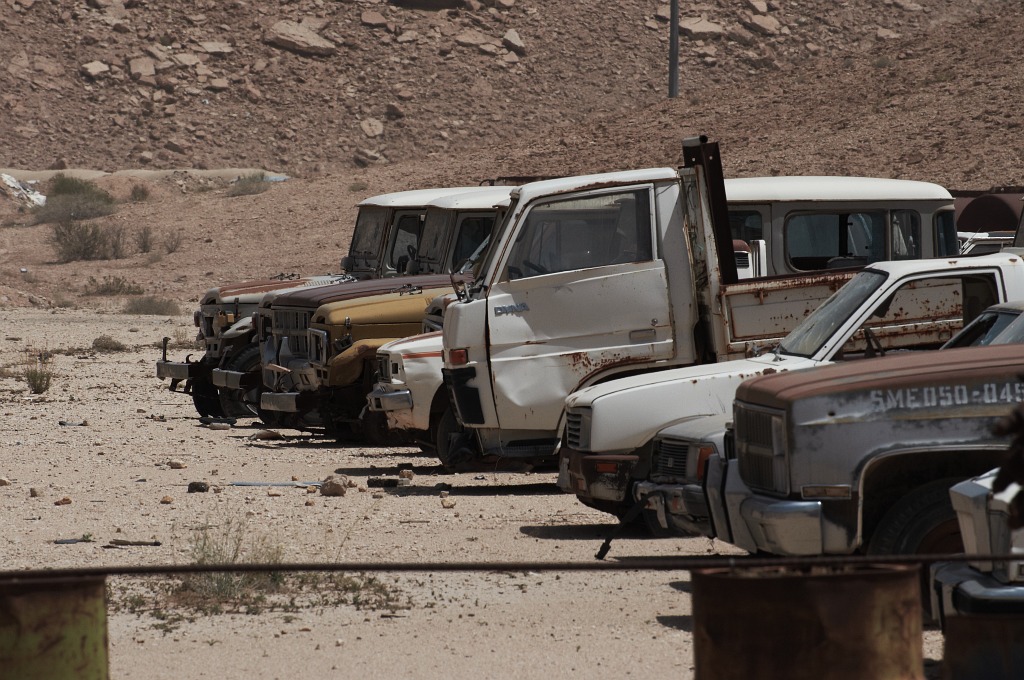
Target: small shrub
63,302
232,543
111,285
38,372
144,239
151,304
106,343
247,185
76,241
358,186
139,194
74,199
173,241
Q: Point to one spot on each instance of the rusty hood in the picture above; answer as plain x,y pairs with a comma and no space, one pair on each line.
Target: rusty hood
962,366
253,290
386,308
311,298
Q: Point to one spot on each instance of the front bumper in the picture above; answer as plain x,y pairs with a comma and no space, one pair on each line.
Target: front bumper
181,370
234,380
680,507
599,480
288,402
386,399
782,527
961,590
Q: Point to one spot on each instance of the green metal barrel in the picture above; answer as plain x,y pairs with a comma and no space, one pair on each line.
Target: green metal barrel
53,629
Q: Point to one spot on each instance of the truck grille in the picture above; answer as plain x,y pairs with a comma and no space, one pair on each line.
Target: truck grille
292,325
760,467
384,367
670,457
573,427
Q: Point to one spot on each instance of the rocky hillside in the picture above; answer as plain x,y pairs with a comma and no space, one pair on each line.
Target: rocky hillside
885,87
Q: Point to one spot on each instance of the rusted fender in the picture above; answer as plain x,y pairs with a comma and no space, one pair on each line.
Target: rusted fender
347,368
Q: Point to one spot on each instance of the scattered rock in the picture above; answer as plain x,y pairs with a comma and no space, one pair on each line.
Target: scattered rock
273,492
176,464
310,503
4,481
447,503
219,426
377,495
94,69
63,501
166,500
512,41
33,492
406,474
382,482
300,38
700,29
372,127
265,435
333,485
198,487
373,19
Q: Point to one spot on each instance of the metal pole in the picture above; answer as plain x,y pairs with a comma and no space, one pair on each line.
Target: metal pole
673,52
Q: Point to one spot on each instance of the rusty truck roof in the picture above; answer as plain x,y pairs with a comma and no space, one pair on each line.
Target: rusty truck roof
312,298
937,367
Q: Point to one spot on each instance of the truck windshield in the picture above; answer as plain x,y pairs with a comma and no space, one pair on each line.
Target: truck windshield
435,234
370,225
806,339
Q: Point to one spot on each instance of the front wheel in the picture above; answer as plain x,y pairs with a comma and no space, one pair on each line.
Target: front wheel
205,397
452,454
923,522
243,403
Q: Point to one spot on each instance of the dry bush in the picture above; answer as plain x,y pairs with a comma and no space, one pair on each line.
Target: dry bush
73,199
111,285
247,185
38,372
76,241
106,343
144,239
173,241
139,194
151,304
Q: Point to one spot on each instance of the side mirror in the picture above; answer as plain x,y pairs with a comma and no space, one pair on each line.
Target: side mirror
348,263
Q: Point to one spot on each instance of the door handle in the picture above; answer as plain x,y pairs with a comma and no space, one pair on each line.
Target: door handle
643,335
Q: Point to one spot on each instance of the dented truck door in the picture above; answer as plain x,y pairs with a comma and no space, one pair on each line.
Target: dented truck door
590,257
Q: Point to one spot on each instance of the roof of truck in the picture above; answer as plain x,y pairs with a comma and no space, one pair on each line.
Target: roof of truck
831,188
898,370
1006,256
418,197
473,200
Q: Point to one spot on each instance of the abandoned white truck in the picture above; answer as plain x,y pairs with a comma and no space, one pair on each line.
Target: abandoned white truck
601,276
889,306
764,215
224,317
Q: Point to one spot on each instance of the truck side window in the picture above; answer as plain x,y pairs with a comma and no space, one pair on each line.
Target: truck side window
581,233
472,232
407,236
946,242
906,235
830,240
900,322
746,225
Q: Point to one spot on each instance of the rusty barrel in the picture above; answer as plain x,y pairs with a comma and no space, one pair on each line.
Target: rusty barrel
53,629
983,646
838,623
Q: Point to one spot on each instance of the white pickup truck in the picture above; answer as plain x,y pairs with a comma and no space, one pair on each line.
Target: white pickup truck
764,214
598,277
615,427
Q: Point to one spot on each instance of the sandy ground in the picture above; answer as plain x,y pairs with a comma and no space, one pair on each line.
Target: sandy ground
114,469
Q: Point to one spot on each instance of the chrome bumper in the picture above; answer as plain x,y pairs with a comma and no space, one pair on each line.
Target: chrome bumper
382,399
680,507
181,370
287,402
783,527
234,380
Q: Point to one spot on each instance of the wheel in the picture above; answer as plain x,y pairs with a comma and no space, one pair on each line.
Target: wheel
205,397
243,403
653,527
452,457
921,523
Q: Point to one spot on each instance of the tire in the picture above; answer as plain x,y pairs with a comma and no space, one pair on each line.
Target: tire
243,403
451,458
205,397
650,519
923,522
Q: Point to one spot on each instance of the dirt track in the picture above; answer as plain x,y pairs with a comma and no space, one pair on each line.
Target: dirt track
114,469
